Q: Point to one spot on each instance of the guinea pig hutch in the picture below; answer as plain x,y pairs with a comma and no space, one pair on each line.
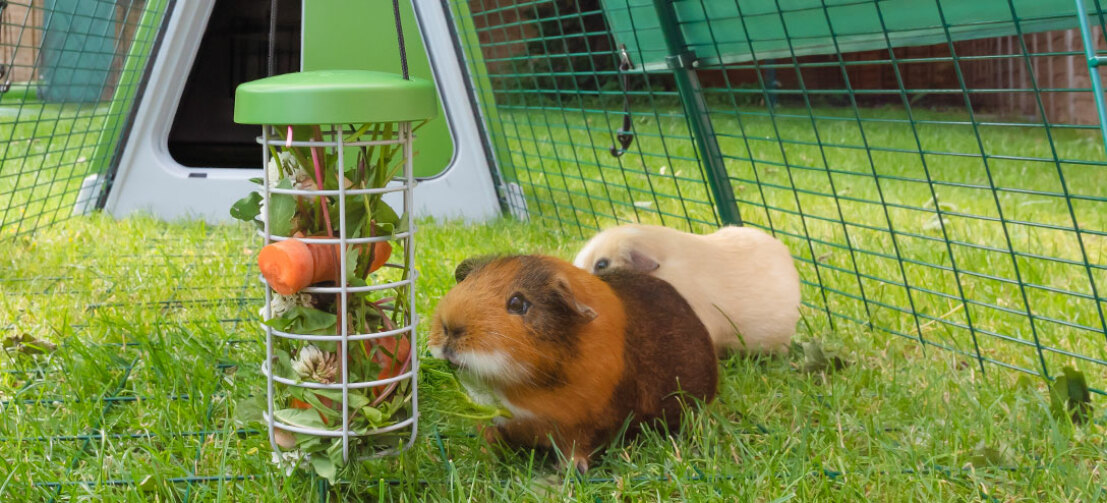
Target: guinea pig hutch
936,168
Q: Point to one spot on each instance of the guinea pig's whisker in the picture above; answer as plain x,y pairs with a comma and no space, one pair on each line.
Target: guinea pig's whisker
519,370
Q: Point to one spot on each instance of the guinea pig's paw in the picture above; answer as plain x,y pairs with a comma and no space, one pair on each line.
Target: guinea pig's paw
578,462
490,433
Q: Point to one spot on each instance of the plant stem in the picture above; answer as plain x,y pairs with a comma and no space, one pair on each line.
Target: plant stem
318,164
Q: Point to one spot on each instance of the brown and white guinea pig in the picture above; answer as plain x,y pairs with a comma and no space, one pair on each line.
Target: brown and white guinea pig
735,278
572,355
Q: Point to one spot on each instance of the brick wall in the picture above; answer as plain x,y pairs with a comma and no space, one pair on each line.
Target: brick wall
994,70
22,33
19,38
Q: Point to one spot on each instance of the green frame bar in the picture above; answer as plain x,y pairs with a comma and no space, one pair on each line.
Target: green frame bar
1093,62
683,62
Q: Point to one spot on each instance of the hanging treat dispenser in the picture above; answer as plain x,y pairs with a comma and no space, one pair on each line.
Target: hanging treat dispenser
335,209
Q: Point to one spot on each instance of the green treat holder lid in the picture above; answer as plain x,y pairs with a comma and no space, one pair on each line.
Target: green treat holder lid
334,97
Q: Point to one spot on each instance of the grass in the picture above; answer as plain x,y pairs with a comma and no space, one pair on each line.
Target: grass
971,246
159,346
46,151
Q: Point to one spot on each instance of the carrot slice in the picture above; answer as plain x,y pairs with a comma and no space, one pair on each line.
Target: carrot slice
391,366
291,265
381,253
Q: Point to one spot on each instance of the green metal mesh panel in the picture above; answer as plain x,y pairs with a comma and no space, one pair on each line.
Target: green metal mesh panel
71,70
552,101
935,185
134,411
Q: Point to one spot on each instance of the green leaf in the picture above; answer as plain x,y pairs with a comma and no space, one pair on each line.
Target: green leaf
816,360
356,217
309,443
324,467
310,397
282,209
304,320
257,181
391,407
356,399
303,418
385,229
28,345
384,214
334,453
148,483
352,257
402,224
283,365
247,208
249,411
984,455
1070,397
374,416
314,320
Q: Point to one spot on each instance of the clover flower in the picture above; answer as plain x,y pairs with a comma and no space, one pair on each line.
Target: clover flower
313,364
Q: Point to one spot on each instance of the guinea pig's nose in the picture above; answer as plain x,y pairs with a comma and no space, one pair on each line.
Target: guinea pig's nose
450,357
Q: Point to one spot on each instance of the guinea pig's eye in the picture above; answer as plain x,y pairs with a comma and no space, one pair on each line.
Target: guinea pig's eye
602,264
517,304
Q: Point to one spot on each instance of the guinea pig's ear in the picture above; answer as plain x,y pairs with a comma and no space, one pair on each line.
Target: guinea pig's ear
641,263
565,292
469,265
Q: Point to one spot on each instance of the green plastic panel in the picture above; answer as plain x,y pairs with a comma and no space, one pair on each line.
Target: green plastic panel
360,35
714,30
77,51
78,68
333,97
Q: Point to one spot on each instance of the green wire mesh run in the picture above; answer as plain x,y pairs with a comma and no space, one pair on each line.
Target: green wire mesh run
70,71
549,82
118,405
939,175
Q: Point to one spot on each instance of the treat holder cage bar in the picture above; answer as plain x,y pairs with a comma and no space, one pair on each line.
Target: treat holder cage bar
328,99
406,184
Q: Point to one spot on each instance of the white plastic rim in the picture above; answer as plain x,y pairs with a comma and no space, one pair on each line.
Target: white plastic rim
337,144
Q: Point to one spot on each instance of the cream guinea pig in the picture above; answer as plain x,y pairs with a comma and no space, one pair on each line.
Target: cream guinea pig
572,355
736,277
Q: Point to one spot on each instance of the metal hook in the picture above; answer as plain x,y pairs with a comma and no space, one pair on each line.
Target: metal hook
624,136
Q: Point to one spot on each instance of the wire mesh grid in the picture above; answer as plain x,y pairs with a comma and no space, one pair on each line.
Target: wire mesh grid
70,72
938,174
144,396
119,404
905,235
349,239
549,82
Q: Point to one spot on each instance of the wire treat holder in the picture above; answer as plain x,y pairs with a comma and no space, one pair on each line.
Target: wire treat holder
338,263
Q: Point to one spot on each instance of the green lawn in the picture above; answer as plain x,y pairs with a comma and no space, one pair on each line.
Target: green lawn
948,279
159,344
159,341
46,151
